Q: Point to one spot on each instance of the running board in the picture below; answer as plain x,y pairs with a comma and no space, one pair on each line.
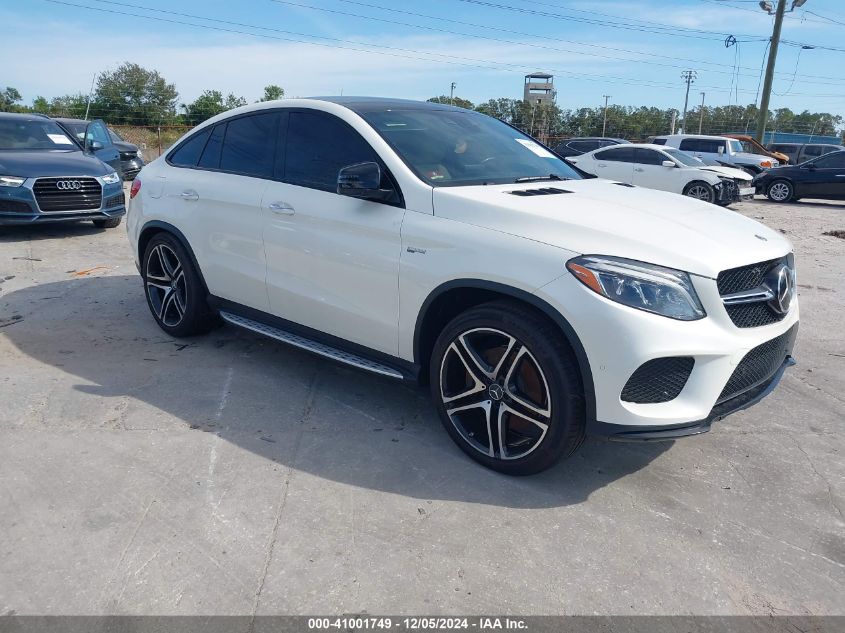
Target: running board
310,345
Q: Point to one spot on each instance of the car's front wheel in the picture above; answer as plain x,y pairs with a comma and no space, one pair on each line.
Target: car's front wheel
700,190
780,191
508,389
174,290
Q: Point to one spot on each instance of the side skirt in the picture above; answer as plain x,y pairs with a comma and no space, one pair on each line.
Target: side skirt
314,341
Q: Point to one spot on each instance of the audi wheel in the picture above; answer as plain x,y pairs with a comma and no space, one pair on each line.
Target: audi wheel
174,290
780,191
508,389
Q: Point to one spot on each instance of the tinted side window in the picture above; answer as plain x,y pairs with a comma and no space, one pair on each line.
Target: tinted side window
691,145
318,145
832,161
618,154
99,133
188,153
210,158
649,157
249,147
659,141
584,146
813,150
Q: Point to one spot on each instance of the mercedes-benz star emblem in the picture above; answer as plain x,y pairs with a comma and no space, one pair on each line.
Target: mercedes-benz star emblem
496,391
780,282
68,185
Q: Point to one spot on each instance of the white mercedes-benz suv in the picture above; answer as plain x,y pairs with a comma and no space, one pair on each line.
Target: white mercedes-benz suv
430,243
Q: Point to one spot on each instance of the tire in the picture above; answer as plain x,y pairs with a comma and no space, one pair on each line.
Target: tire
780,191
174,290
533,397
107,224
700,190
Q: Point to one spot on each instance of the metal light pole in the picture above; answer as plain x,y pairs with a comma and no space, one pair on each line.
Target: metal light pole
688,76
701,114
604,123
452,93
770,65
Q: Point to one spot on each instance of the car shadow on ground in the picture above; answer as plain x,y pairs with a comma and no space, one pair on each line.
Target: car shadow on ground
48,231
286,405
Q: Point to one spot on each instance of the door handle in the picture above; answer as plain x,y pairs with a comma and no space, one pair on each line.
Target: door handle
638,169
602,165
190,194
840,175
281,208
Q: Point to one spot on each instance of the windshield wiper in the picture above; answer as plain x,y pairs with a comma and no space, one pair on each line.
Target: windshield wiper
539,178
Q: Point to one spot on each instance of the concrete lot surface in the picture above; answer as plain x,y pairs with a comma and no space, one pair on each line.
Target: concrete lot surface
229,474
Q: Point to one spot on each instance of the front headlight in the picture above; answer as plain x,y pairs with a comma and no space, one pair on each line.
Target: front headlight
111,178
656,289
11,181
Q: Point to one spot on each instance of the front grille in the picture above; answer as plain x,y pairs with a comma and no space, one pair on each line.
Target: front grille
115,201
128,155
658,380
15,206
758,365
744,277
51,198
753,314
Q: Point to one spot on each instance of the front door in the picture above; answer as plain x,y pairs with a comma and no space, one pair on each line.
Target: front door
615,163
824,178
650,172
332,260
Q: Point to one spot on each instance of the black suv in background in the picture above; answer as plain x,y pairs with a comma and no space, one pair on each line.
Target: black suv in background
800,153
582,145
131,157
47,175
98,138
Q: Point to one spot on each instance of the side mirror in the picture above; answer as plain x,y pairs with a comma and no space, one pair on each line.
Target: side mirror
88,140
668,163
95,145
721,150
362,180
810,166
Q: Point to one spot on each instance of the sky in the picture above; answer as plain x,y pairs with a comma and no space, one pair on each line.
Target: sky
632,50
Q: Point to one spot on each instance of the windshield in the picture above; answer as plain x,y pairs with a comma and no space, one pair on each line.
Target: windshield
33,134
736,146
682,157
446,148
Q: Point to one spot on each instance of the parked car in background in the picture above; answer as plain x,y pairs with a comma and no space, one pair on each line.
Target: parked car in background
578,146
47,176
751,146
98,139
822,177
420,241
131,156
666,169
802,152
719,148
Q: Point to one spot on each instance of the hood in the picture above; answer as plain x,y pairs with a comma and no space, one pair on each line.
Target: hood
728,172
34,164
745,157
600,217
123,146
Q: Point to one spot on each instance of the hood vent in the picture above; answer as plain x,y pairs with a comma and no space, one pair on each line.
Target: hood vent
624,184
544,191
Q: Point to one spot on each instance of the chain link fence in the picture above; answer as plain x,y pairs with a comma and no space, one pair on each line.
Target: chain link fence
153,140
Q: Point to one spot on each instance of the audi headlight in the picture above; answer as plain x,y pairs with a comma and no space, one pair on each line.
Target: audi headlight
11,181
656,289
111,178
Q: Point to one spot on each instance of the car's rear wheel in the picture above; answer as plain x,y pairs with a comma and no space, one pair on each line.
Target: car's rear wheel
780,191
700,190
508,389
107,224
174,290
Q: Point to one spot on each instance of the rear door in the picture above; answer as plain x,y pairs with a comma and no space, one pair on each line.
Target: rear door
615,163
824,177
222,198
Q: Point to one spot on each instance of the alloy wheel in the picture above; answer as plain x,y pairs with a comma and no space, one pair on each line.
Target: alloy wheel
700,192
780,191
495,393
166,285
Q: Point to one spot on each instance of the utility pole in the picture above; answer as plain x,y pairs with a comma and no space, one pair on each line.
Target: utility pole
701,114
452,93
688,76
604,124
770,71
672,125
90,92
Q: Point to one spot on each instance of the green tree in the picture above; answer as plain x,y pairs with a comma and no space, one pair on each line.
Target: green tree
455,101
134,95
9,99
210,103
73,106
273,92
40,104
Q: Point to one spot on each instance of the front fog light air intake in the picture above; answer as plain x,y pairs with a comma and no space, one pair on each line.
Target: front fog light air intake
656,289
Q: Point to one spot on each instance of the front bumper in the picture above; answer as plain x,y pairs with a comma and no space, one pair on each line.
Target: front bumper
130,168
18,206
618,340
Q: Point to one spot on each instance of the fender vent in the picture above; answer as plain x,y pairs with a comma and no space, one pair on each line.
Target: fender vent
544,191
